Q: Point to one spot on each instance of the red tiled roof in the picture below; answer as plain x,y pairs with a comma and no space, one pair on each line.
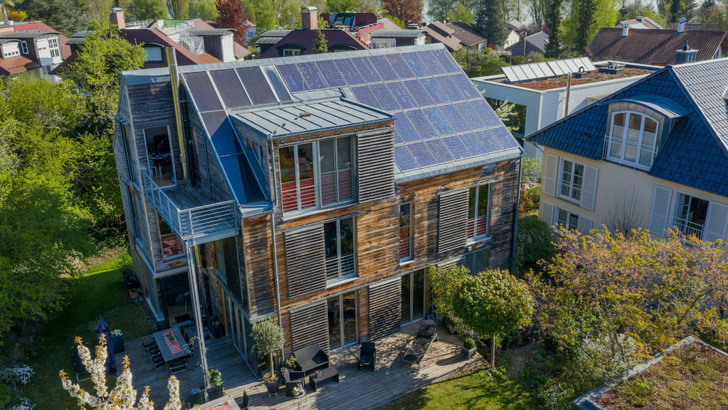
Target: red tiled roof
304,39
656,47
16,65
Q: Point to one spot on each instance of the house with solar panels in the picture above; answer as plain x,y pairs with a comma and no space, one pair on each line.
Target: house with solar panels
314,190
653,155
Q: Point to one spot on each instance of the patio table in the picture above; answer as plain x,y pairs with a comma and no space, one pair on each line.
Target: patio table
171,344
223,403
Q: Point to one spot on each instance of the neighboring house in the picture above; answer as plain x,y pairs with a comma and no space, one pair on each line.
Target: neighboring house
438,32
313,190
512,38
513,24
301,41
388,24
218,42
655,47
30,48
270,38
349,21
652,155
469,37
543,97
640,23
535,43
397,38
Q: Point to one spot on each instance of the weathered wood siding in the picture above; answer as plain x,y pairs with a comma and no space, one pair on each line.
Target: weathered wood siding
259,264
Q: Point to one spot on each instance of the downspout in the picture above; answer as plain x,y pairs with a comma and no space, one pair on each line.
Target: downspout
515,217
271,185
174,81
568,92
195,293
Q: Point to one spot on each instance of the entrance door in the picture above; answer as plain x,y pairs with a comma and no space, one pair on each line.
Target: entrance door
234,325
342,316
413,296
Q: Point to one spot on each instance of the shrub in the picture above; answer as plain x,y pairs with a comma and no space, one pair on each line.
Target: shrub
268,338
534,243
6,395
215,377
468,343
530,199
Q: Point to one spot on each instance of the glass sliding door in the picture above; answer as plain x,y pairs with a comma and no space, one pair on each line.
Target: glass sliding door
406,301
413,296
342,317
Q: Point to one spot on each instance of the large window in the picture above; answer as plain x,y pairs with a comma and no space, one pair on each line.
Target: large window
171,244
632,139
153,54
159,155
405,232
567,219
477,261
572,178
478,212
54,48
413,296
24,47
339,244
290,52
342,320
317,174
690,215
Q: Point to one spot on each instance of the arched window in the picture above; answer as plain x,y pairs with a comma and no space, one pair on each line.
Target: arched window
632,139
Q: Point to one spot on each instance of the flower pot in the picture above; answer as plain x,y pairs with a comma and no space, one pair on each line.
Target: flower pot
468,353
118,342
273,387
214,393
134,293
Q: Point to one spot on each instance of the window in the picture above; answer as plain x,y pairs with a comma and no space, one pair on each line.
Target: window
290,52
632,139
152,54
53,47
256,147
342,314
317,174
572,179
567,219
339,245
690,215
159,155
134,212
405,232
477,261
171,244
24,47
413,296
478,208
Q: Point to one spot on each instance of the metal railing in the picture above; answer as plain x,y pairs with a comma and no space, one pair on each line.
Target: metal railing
334,270
191,222
688,227
641,157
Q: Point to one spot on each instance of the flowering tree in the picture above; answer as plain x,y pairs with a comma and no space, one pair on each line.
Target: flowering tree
121,397
230,15
408,11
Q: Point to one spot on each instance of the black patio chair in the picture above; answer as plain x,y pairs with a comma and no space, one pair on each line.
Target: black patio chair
150,346
367,355
158,360
293,379
177,366
78,365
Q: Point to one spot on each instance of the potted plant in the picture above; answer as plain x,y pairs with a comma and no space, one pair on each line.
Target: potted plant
216,327
298,391
268,338
469,348
134,293
117,339
216,390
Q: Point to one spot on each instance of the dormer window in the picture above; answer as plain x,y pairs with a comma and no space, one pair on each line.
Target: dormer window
632,139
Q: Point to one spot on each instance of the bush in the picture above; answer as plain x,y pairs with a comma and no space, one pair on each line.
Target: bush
6,396
530,199
534,243
468,343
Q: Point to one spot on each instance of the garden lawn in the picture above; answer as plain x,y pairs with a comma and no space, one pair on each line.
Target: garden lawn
100,291
477,390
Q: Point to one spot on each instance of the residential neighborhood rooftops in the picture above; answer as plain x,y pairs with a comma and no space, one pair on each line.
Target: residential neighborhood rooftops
467,34
640,23
452,43
304,40
397,33
535,43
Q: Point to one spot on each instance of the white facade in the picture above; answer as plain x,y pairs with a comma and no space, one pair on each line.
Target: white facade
512,39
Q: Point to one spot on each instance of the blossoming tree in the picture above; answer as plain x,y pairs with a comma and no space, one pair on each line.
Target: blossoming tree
121,397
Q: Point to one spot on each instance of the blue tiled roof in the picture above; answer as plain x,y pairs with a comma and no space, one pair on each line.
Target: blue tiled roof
695,153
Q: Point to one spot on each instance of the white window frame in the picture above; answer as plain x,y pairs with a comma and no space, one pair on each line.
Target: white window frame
574,190
291,52
610,140
409,258
569,214
24,47
674,217
486,235
339,277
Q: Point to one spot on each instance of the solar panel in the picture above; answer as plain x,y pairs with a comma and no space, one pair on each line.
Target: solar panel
438,121
510,74
450,89
384,97
556,68
420,123
488,140
365,96
404,159
446,60
349,72
504,138
471,141
484,113
365,68
470,116
463,83
382,66
230,88
312,76
202,91
456,146
422,154
400,66
418,92
256,85
456,120
292,77
439,151
545,69
417,66
405,129
573,67
277,83
331,73
432,64
401,94
587,64
530,74
433,88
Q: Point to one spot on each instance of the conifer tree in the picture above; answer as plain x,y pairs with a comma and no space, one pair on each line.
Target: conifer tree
319,43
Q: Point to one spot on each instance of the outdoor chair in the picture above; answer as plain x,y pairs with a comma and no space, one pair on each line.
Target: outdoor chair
311,358
158,360
177,366
292,379
367,355
421,343
78,365
150,346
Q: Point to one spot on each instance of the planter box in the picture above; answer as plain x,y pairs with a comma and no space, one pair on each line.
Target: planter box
118,342
468,353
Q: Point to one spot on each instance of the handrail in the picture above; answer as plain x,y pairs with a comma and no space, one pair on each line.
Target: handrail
191,222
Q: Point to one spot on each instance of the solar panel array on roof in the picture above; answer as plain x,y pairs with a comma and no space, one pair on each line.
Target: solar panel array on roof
440,116
535,71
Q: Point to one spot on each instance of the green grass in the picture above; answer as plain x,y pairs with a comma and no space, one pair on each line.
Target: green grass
100,291
477,390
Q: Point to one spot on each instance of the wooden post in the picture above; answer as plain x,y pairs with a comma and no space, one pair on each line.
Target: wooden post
492,353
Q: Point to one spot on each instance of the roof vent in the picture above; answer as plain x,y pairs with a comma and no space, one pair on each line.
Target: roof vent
612,68
681,25
582,73
625,30
685,55
304,114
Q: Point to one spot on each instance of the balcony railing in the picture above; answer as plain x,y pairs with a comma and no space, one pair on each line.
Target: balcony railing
191,223
688,227
347,266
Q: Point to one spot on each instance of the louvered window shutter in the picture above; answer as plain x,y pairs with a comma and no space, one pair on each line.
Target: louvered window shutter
305,265
547,213
715,223
550,167
589,187
310,325
452,221
385,308
660,210
375,155
584,225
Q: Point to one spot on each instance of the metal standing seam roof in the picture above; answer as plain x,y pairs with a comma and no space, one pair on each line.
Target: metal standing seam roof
397,33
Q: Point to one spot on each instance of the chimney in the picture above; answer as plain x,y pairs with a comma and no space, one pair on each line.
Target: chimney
681,25
309,18
625,30
686,55
639,18
117,18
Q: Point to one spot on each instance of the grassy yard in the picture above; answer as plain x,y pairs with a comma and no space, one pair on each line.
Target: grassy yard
476,390
100,291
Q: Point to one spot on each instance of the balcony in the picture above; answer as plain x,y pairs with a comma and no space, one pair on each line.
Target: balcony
688,227
189,215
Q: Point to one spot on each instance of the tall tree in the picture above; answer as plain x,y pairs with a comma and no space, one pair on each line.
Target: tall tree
553,21
438,10
407,11
66,16
577,31
681,8
289,14
150,9
265,15
538,10
179,9
489,20
461,13
341,6
230,15
319,43
586,9
203,9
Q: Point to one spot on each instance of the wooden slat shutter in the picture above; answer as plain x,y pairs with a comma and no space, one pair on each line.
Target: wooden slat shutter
385,308
305,265
550,167
589,187
375,166
452,221
715,223
547,213
660,210
310,325
584,225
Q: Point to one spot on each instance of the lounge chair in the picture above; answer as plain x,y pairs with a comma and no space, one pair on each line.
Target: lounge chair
367,355
78,365
311,358
421,343
293,379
